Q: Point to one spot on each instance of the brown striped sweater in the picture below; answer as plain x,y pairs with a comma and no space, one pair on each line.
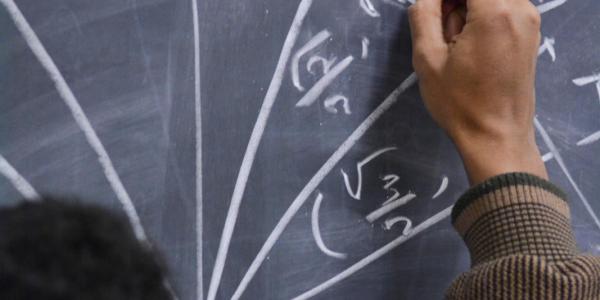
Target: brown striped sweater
517,229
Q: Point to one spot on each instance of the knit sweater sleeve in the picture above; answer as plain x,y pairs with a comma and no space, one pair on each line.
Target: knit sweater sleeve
517,229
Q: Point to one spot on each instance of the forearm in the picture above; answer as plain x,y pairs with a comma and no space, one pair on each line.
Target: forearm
486,154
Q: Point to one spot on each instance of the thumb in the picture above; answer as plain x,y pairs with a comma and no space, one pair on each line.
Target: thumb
429,45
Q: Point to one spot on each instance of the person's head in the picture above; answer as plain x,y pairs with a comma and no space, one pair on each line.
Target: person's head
62,249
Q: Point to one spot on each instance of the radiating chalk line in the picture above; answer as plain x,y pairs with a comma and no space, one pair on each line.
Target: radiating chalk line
332,101
442,188
586,80
199,179
382,211
255,138
81,119
316,41
389,223
590,139
313,94
356,195
19,182
376,255
552,147
318,178
547,157
543,8
316,230
368,7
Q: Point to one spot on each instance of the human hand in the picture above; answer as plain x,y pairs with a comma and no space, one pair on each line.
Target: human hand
476,69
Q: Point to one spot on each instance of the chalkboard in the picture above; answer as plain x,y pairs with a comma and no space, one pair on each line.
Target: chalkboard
271,149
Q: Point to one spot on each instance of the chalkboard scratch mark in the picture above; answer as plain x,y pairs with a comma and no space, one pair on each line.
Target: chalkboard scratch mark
389,223
550,144
368,7
253,144
376,255
313,94
147,64
548,6
318,178
75,20
359,166
382,211
442,188
199,178
20,183
79,115
332,101
312,44
590,139
317,231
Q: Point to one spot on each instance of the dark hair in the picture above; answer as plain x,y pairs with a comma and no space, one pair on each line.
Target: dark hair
63,249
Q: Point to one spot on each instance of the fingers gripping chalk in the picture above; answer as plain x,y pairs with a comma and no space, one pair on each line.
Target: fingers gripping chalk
450,5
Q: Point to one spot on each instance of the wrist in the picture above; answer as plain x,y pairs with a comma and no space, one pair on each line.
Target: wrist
488,155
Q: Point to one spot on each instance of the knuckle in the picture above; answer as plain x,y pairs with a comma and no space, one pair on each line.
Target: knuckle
504,14
533,17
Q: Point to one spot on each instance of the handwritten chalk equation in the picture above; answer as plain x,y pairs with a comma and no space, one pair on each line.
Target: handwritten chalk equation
326,67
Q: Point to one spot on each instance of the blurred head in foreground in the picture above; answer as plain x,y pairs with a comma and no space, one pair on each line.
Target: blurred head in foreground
62,249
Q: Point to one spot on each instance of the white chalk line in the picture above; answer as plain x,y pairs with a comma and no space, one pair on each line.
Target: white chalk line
19,182
81,119
199,179
590,139
312,44
375,255
548,45
255,138
318,178
382,211
442,188
552,147
368,7
316,230
547,157
598,89
586,80
313,94
356,195
548,6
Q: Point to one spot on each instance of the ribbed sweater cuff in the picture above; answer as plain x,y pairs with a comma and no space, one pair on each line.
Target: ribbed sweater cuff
514,213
